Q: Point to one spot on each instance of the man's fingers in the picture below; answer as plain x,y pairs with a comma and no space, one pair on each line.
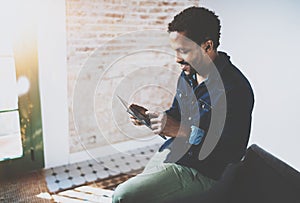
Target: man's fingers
155,120
156,128
157,131
135,121
152,114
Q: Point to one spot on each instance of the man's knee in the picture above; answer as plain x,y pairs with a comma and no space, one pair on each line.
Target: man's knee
123,194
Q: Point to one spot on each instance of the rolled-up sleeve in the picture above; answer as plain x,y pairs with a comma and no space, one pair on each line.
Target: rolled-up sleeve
196,135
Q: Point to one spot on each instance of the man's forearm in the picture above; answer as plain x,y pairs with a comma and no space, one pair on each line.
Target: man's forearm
173,128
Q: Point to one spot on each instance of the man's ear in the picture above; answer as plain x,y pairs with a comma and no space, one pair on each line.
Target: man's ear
207,48
208,45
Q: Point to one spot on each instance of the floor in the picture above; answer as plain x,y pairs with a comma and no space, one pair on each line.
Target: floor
89,181
100,191
86,194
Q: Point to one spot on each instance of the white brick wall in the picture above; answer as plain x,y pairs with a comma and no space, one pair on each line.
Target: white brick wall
147,77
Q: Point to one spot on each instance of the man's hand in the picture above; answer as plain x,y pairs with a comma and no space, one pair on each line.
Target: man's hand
141,109
163,124
158,121
135,121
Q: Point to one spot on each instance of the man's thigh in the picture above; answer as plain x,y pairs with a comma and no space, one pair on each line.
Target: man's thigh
160,183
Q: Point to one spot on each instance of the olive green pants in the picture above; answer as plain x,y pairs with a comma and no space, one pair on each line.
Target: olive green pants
160,182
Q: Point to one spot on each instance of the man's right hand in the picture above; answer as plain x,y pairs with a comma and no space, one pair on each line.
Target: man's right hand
163,124
157,120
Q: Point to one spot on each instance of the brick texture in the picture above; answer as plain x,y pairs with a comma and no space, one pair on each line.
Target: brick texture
111,50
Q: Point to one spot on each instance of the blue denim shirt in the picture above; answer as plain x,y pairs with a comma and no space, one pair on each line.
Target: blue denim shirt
219,108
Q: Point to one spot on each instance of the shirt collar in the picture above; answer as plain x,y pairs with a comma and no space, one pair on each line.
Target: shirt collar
220,62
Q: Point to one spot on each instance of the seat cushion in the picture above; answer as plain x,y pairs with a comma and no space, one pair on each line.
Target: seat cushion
264,178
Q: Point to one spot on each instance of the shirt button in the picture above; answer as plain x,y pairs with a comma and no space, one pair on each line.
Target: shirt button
190,153
180,95
190,118
202,106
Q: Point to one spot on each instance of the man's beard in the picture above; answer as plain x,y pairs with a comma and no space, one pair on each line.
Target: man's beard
202,70
192,70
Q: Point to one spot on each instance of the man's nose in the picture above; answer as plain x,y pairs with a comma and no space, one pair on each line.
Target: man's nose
178,58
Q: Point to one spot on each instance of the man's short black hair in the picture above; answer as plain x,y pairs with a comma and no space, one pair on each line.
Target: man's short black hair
199,25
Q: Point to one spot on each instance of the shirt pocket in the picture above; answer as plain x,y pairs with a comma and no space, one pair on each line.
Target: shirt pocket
204,106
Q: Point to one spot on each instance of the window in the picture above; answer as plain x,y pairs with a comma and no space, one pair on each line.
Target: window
10,136
21,134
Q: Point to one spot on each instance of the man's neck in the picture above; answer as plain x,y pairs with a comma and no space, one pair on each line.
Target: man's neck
213,55
202,77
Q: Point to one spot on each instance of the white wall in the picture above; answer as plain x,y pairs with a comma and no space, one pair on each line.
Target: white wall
263,39
53,81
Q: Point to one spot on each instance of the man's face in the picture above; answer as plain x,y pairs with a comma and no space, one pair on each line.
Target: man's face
189,54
